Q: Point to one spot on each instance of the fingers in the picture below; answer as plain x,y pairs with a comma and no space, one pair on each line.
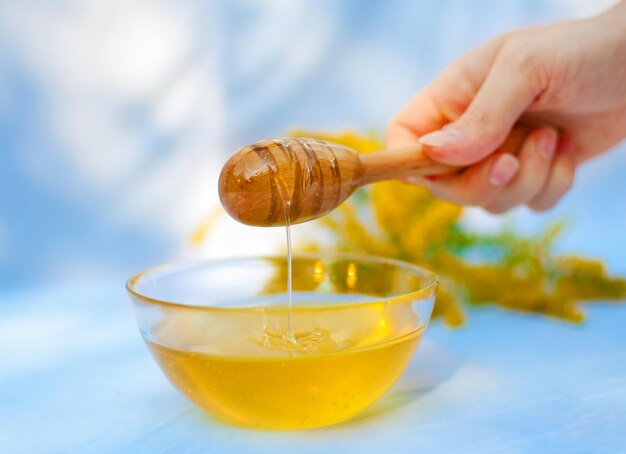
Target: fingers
477,185
506,92
542,173
535,161
466,114
445,98
559,182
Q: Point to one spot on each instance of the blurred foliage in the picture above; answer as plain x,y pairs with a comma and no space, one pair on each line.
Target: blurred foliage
394,219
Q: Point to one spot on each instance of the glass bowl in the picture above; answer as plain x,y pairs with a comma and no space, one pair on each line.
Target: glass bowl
223,334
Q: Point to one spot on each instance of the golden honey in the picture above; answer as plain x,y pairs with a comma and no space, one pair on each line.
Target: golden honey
343,360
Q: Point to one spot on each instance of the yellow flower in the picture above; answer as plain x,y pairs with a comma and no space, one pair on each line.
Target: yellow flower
403,221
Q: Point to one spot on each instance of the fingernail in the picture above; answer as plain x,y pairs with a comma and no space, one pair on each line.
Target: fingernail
442,138
547,142
503,169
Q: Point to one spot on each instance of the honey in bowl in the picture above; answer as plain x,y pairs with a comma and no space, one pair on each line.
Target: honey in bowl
220,339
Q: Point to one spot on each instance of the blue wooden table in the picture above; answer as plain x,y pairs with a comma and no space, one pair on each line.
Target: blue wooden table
76,377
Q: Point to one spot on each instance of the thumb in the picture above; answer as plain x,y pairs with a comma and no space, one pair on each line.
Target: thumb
503,96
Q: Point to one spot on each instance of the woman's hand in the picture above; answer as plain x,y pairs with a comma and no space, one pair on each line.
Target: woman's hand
568,80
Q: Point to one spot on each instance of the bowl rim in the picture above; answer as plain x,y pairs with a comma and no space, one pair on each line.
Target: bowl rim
416,269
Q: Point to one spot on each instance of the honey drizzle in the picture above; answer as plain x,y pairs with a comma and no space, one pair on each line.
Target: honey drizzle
308,181
287,200
290,336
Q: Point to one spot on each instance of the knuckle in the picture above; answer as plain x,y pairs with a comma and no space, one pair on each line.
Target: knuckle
519,56
517,53
478,115
483,128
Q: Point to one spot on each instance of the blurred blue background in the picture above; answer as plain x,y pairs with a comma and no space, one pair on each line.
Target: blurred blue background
115,119
116,116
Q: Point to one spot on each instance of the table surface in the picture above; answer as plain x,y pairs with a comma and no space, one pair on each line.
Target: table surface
76,377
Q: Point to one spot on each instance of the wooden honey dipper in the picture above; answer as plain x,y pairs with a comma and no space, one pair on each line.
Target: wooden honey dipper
265,183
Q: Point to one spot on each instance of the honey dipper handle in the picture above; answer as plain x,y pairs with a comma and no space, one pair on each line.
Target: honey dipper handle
412,161
400,163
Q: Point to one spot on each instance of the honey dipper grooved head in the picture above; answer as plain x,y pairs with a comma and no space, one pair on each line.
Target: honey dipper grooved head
301,179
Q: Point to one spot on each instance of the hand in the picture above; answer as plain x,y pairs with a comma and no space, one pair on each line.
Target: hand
567,80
